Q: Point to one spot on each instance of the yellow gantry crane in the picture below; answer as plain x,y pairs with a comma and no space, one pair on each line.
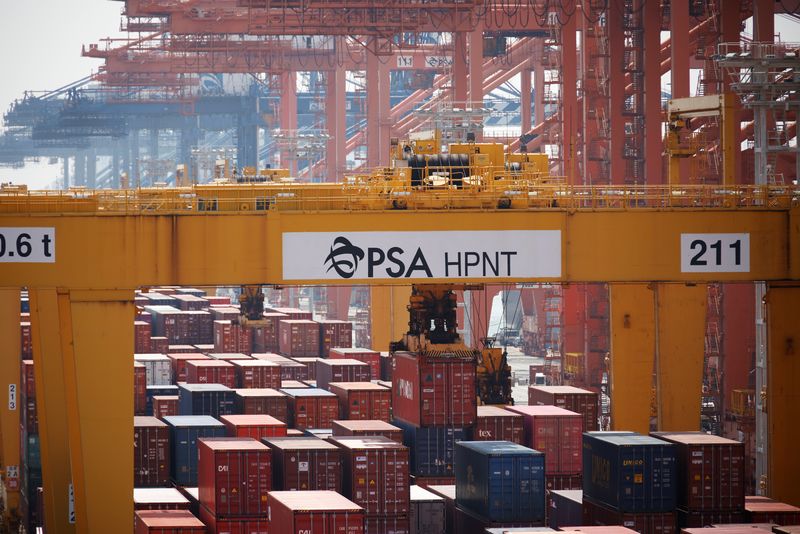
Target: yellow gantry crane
82,254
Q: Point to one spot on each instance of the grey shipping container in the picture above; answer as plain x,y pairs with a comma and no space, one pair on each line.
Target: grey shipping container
427,512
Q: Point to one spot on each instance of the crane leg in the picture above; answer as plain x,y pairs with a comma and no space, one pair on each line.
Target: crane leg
9,413
389,309
632,356
783,394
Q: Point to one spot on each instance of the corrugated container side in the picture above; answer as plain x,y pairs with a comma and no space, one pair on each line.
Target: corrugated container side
151,447
234,476
497,424
367,428
570,398
595,513
312,408
563,482
257,374
431,448
290,513
253,426
233,525
139,388
210,372
178,360
386,366
765,510
167,522
300,464
564,508
706,518
158,367
341,370
154,391
427,515
206,399
362,400
394,524
555,432
266,338
311,365
184,433
448,493
370,357
159,499
298,338
334,334
165,405
263,401
141,337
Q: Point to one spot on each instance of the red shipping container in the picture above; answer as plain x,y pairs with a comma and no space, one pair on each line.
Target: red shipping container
367,428
563,482
151,448
570,398
370,357
427,482
253,426
294,384
181,349
298,338
179,372
290,369
312,512
159,345
434,390
375,473
225,313
190,302
497,424
642,522
312,408
141,337
556,432
203,349
765,510
26,341
294,433
159,499
165,405
28,378
234,476
30,418
467,522
700,519
265,337
341,370
229,356
252,373
167,522
292,313
305,463
210,372
214,300
139,388
263,401
398,524
386,366
233,525
311,365
710,471
334,334
363,400
223,336
199,326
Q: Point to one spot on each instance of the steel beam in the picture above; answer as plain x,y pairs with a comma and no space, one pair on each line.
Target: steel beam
10,351
680,54
653,140
460,70
335,109
389,314
569,98
616,82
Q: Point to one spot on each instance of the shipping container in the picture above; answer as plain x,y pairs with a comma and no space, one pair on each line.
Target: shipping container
650,522
155,391
432,448
231,337
367,428
448,493
181,349
233,525
265,337
392,524
332,334
370,357
179,370
498,424
206,399
253,373
230,356
165,405
263,401
434,390
570,398
629,472
375,473
293,384
139,390
159,499
310,383
468,522
747,528
425,482
158,368
555,432
151,452
159,345
167,522
298,338
210,372
341,370
225,313
312,408
710,471
363,400
254,426
563,482
141,337
314,512
185,430
311,365
305,463
500,481
386,366
427,511
564,508
294,314
764,510
214,300
290,369
203,348
190,302
234,476
707,518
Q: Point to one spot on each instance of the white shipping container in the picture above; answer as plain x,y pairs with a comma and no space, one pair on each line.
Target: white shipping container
158,367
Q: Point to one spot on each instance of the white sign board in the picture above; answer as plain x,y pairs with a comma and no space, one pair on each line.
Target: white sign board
12,397
715,253
421,255
27,245
438,61
405,62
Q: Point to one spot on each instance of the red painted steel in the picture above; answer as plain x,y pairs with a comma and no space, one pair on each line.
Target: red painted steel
233,525
309,512
363,400
334,334
30,418
26,342
764,510
397,524
738,343
556,432
234,476
367,428
438,390
570,398
263,401
316,411
254,426
370,357
252,373
375,473
305,463
165,405
150,452
167,522
210,372
225,313
139,388
179,370
230,337
642,522
341,370
141,337
298,337
497,424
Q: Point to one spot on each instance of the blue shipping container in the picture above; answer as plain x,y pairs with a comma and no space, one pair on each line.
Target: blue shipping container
206,399
432,448
152,391
184,431
500,480
629,472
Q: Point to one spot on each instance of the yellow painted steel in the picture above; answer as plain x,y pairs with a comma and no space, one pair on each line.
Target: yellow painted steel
388,314
97,339
10,351
681,320
783,392
632,355
47,333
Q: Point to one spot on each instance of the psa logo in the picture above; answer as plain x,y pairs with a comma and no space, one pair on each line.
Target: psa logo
344,258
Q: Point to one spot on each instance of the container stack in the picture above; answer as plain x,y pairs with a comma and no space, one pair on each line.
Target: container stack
303,464
363,400
570,398
710,478
314,511
498,424
29,476
151,450
630,480
760,509
433,401
185,431
367,428
427,511
498,484
370,357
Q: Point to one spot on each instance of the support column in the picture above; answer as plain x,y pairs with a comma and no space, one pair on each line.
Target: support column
681,323
134,176
10,352
335,108
47,330
731,30
679,38
525,100
782,395
763,21
616,82
480,310
384,111
338,302
152,144
633,339
80,168
476,70
389,312
378,110
66,172
91,168
459,81
115,163
653,141
569,97
538,97
288,113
